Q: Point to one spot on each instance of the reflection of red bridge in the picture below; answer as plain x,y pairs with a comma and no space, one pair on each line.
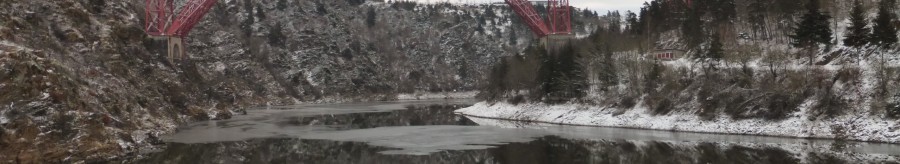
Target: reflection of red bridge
163,22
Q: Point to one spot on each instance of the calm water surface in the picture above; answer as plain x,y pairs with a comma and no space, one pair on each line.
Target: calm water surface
429,132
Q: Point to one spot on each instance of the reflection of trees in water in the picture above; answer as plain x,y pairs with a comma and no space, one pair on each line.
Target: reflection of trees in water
550,149
299,151
553,149
415,115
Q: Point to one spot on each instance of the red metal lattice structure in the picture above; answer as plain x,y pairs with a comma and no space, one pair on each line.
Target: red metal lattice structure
157,12
162,22
560,17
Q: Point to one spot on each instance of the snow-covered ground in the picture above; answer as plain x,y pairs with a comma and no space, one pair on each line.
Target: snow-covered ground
447,95
851,127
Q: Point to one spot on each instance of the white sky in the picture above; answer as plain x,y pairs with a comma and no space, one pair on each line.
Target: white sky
601,6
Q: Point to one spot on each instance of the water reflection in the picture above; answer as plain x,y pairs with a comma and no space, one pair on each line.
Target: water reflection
429,132
548,149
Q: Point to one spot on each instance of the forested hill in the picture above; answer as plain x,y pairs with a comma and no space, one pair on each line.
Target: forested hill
805,68
80,80
768,24
768,56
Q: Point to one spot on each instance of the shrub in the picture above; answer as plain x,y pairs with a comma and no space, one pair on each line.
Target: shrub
779,106
97,5
320,9
663,107
516,100
276,37
405,5
355,2
627,102
892,110
829,104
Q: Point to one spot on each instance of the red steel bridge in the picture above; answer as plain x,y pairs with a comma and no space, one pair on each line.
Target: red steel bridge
162,21
560,16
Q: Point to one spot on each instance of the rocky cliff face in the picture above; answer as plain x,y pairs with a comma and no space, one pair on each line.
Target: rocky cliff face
81,81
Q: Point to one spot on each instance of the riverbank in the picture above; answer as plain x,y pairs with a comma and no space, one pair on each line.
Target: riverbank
846,127
437,95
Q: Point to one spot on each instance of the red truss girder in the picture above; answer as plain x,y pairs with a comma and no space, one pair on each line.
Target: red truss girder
158,13
162,22
560,17
525,10
191,14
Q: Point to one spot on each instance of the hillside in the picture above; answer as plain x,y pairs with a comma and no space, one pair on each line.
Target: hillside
743,71
82,82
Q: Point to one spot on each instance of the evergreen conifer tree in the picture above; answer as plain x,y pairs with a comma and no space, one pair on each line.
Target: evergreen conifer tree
884,33
608,76
281,5
692,29
857,34
715,51
371,17
489,11
813,28
572,75
513,38
260,13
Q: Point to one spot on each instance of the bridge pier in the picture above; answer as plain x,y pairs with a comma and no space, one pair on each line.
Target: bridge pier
556,42
176,49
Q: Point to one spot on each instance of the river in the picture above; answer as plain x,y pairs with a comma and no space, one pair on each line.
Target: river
429,132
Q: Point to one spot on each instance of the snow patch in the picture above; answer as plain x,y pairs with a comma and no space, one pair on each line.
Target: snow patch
448,95
852,127
3,119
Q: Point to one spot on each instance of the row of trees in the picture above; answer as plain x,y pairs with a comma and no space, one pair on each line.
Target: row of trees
555,76
882,33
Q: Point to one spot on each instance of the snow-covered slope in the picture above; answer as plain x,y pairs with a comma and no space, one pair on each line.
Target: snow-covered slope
80,81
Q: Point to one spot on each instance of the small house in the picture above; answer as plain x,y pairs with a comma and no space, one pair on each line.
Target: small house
666,54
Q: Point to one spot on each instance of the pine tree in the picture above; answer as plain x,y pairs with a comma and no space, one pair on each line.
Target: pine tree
813,29
479,29
572,74
545,75
883,32
247,24
633,23
857,34
615,21
692,29
259,12
481,20
723,10
607,75
715,51
320,9
281,5
355,2
513,39
496,87
276,37
757,17
489,11
561,75
371,17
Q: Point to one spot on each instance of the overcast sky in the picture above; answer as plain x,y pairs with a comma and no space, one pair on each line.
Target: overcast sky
601,6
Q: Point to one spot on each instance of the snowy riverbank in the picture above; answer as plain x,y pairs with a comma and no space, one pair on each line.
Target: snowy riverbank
435,95
850,127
